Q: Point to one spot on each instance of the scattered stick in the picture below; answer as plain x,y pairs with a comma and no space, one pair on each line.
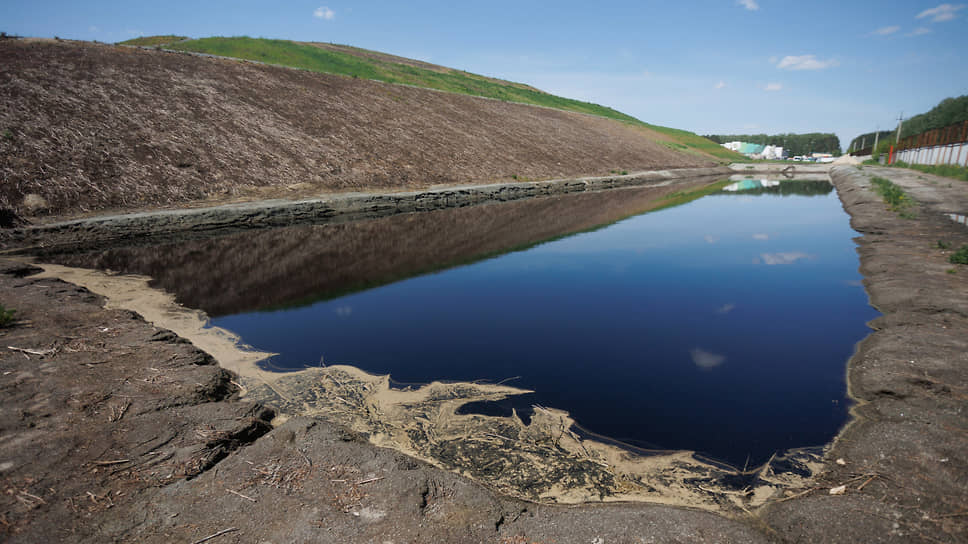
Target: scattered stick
118,413
246,497
869,480
106,463
216,535
37,352
369,480
954,514
798,495
306,457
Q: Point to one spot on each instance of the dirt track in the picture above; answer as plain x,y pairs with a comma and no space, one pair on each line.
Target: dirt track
101,435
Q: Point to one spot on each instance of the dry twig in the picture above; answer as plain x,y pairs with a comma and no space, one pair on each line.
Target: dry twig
218,534
246,497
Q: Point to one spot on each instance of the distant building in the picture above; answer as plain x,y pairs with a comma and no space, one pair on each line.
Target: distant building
756,151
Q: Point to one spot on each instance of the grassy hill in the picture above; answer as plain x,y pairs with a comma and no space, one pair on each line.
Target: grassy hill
361,63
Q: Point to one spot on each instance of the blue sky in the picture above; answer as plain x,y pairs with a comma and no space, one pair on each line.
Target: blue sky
723,66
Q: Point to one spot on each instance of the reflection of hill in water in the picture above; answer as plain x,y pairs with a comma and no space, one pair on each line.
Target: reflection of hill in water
799,187
289,266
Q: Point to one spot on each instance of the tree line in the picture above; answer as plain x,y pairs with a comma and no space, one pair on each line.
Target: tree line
948,112
793,144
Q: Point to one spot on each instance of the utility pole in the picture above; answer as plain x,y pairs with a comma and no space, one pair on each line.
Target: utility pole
877,136
900,123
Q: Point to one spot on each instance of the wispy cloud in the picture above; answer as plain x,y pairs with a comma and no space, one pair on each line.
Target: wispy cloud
942,13
706,359
919,31
805,62
710,239
725,308
749,4
324,13
772,87
720,85
886,30
93,28
761,236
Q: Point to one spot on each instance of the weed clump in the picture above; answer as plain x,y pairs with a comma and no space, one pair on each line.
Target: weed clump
960,256
895,197
6,316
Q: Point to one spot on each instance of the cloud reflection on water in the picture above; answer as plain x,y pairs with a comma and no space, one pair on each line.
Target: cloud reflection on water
706,359
787,257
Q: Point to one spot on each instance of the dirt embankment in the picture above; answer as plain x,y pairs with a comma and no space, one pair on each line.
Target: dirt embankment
89,127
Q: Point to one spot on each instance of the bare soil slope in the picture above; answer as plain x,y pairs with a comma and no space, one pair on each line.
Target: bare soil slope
87,127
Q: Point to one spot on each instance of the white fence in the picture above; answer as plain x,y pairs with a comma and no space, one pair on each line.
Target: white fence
936,154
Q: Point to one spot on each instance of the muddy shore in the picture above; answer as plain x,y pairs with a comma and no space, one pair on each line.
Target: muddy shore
119,431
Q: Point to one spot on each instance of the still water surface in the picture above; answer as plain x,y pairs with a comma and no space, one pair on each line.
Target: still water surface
721,326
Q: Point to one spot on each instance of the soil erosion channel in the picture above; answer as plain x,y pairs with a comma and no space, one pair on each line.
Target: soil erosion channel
677,265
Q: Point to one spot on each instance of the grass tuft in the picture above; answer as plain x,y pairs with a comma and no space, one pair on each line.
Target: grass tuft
944,170
895,197
6,316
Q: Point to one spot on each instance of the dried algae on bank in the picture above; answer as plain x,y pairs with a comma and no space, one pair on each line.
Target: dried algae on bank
544,460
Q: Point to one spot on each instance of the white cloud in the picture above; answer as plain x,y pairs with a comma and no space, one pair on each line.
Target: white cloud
942,13
886,30
706,359
720,85
805,62
725,308
710,239
761,236
783,258
919,31
325,13
773,87
93,28
344,311
749,4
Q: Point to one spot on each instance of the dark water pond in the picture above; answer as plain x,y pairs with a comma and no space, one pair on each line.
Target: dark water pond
657,318
722,325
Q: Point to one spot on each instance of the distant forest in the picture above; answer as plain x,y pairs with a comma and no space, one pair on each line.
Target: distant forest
948,112
793,144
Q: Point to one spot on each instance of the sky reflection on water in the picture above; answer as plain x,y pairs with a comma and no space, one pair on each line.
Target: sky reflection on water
722,326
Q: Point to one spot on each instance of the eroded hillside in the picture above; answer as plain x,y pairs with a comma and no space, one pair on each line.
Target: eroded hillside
93,127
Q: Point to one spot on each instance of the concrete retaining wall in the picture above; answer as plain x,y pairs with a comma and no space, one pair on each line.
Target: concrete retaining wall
338,208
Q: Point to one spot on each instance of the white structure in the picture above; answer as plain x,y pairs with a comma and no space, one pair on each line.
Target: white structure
773,153
755,151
